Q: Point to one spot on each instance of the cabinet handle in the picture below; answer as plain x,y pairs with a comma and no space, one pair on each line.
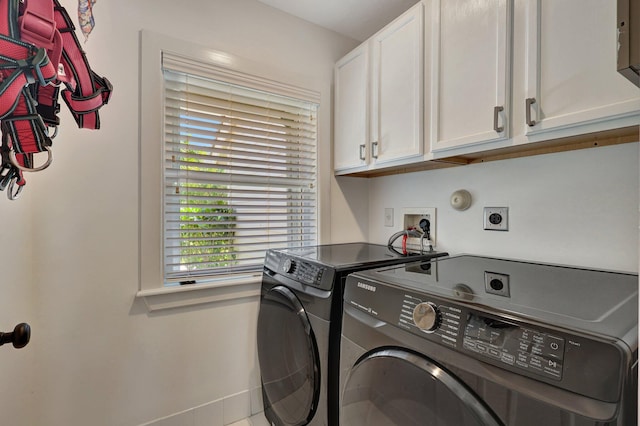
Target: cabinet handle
528,103
496,113
374,149
362,148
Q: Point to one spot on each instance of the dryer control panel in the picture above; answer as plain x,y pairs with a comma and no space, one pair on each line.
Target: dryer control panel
555,356
299,270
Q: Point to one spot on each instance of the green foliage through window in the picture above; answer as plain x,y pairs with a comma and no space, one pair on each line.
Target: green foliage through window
239,176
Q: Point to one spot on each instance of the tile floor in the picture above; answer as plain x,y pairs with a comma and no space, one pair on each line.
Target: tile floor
256,420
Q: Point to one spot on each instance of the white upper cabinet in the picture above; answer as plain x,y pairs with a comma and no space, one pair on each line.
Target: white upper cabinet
379,95
397,88
351,136
458,77
570,73
470,72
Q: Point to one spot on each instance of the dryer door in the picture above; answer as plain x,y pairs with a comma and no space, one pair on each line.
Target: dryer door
289,360
398,387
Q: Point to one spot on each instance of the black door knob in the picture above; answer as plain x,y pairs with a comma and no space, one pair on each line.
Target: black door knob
19,337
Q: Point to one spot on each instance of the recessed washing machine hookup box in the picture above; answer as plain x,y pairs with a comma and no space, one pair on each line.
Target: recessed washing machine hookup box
411,219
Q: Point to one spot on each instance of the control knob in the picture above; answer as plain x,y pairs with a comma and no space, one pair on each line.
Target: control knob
288,266
426,316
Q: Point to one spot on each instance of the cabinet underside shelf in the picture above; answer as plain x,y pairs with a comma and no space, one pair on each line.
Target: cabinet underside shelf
572,143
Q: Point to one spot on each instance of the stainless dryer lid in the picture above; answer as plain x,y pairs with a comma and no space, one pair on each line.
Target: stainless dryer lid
353,256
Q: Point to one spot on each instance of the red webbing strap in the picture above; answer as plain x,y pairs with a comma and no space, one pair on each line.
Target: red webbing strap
21,63
37,26
21,123
10,87
36,23
8,14
20,70
38,46
91,91
48,106
25,128
11,79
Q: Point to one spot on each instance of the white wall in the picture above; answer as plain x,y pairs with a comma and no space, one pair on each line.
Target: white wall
578,207
349,209
17,367
69,249
69,246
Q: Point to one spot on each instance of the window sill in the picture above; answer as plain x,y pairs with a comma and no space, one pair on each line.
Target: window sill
180,296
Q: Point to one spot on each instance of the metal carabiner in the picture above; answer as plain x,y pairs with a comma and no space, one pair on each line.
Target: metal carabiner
55,132
6,174
14,161
10,193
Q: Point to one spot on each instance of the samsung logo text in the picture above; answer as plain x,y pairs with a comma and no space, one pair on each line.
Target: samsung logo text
367,287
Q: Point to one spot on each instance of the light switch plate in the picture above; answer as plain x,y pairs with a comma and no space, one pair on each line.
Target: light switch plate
388,216
496,218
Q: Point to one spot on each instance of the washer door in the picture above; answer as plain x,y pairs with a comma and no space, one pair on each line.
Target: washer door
289,360
397,387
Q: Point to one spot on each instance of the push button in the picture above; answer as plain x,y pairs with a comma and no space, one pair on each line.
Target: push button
552,369
554,347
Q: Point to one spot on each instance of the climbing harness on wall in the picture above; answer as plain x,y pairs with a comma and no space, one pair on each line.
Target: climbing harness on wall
40,55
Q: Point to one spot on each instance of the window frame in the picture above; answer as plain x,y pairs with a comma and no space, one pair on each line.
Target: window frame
227,67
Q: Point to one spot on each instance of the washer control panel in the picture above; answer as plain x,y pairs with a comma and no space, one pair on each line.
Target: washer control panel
534,351
524,347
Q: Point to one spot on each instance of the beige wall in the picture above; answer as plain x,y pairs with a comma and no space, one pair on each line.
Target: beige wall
69,252
577,208
69,247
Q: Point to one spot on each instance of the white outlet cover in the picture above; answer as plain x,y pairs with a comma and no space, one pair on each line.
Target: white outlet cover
496,218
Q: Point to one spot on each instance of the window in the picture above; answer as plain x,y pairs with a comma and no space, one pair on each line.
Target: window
228,168
239,175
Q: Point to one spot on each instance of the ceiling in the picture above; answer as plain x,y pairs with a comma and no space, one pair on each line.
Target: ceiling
358,19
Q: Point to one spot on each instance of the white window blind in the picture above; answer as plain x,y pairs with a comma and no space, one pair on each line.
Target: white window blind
239,175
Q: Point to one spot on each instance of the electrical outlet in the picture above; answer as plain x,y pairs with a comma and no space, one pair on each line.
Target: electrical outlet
388,217
496,283
496,218
411,219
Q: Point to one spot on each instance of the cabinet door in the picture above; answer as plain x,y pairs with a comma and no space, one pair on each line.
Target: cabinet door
397,88
351,108
571,76
471,72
